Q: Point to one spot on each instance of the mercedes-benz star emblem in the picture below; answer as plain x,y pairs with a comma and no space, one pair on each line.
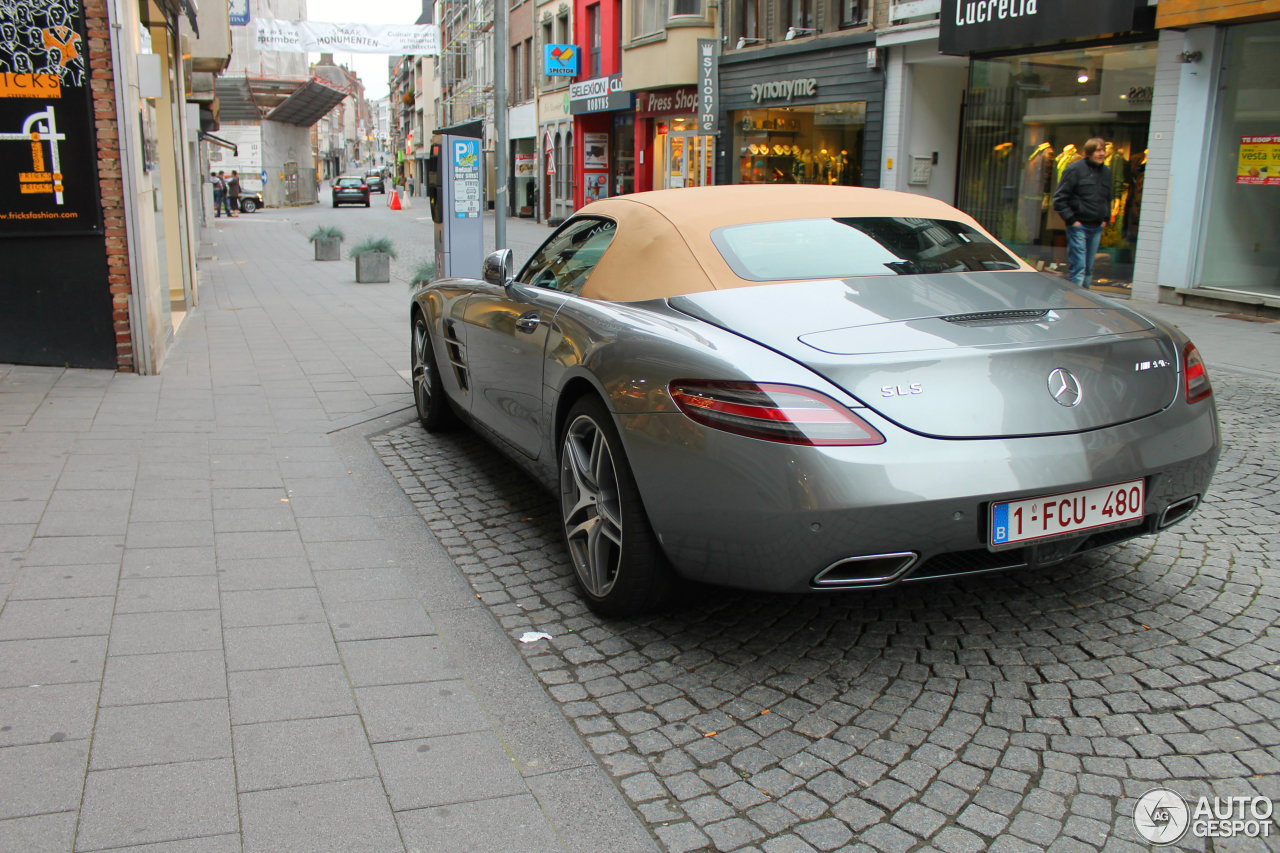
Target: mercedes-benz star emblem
1065,388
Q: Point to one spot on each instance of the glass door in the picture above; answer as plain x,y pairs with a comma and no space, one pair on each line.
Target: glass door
688,160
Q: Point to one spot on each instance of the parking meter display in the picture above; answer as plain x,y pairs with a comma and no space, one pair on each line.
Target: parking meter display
466,178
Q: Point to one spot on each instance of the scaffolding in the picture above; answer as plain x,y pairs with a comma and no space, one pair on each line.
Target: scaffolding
466,70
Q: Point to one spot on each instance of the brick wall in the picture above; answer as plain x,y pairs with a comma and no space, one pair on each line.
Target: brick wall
110,178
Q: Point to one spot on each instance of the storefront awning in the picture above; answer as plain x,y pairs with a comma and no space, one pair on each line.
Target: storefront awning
308,104
294,101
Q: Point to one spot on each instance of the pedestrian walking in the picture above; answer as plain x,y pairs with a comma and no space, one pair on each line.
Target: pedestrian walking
233,194
219,193
1083,200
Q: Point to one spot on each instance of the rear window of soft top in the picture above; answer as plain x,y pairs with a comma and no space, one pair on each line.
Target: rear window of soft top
856,246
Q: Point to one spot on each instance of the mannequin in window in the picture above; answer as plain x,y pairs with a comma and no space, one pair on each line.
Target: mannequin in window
1033,198
1068,156
1120,183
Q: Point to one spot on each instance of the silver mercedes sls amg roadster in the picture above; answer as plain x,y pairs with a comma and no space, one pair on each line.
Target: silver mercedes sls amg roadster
795,388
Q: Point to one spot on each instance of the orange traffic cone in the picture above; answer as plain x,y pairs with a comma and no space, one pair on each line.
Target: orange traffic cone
395,200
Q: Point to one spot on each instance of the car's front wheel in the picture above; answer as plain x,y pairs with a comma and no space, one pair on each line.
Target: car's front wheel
249,205
620,566
428,391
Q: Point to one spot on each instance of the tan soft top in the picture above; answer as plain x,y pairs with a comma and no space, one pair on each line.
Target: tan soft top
663,245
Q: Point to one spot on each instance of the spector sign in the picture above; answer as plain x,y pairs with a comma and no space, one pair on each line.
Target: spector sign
560,60
1259,161
969,25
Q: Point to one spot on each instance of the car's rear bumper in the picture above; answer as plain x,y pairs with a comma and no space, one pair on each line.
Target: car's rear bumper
761,515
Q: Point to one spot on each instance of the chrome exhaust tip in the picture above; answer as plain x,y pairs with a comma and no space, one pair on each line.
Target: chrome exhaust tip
867,570
1175,512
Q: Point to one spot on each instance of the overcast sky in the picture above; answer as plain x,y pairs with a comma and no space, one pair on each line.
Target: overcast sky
372,67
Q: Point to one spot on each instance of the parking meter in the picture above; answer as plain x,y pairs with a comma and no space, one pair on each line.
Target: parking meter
455,192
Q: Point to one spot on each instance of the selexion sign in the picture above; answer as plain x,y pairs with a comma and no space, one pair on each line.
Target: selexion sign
598,95
777,90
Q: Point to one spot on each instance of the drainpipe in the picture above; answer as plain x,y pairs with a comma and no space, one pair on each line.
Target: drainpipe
139,335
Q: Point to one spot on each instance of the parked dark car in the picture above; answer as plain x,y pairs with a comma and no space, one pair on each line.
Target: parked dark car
249,202
350,189
376,182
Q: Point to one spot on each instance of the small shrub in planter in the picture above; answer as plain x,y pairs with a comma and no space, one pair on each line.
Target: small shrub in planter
425,273
328,243
373,260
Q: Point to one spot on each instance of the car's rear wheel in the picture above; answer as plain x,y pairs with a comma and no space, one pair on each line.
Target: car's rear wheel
335,202
618,562
428,391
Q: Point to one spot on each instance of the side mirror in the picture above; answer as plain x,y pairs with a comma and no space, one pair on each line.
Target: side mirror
499,268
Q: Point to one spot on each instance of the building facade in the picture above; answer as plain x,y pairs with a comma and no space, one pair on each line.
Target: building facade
99,217
1218,85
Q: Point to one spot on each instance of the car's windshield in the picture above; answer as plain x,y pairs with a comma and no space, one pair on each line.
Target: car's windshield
349,182
856,246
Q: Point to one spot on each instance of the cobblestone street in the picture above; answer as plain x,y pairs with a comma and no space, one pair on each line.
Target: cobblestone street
1018,711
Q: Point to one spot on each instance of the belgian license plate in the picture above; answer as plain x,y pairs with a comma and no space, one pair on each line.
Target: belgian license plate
1054,515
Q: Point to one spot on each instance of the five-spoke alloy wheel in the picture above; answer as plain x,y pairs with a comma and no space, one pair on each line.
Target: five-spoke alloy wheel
428,392
619,565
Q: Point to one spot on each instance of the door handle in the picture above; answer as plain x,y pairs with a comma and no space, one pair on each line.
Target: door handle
528,322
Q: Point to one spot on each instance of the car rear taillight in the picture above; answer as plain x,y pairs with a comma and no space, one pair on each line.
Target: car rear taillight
1195,380
784,413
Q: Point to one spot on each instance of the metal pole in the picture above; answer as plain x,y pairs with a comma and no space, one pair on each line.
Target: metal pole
500,48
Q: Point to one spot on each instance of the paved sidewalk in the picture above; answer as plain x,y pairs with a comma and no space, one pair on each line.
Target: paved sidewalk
226,626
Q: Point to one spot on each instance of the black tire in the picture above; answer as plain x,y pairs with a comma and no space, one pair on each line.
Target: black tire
619,565
249,205
335,202
434,412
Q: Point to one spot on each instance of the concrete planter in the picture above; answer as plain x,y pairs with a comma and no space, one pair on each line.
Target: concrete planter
329,250
373,267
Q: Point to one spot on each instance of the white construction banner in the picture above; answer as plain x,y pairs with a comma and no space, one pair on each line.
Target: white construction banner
319,37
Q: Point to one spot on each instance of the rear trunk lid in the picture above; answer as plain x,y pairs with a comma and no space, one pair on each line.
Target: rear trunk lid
962,355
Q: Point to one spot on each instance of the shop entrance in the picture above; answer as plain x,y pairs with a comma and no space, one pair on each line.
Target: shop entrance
1025,119
684,160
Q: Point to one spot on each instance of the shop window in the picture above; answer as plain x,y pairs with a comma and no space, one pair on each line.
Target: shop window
647,17
812,144
799,13
1242,205
853,13
516,92
623,152
560,168
568,166
548,37
593,41
1025,119
747,18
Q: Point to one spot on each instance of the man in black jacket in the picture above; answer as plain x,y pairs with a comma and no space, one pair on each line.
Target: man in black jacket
1083,200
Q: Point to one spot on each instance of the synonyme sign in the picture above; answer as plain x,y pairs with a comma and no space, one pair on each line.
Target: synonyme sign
708,84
